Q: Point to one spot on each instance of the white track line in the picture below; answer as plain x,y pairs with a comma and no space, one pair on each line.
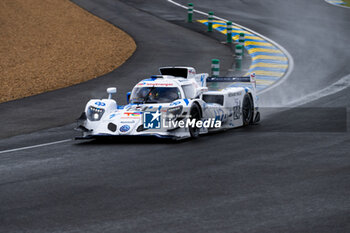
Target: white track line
340,85
290,58
337,5
35,146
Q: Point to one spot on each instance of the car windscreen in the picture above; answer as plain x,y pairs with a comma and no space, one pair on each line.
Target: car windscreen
154,95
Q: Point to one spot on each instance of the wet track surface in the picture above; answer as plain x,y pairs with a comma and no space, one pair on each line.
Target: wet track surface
288,174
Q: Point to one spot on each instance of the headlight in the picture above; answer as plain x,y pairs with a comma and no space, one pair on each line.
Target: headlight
173,113
95,114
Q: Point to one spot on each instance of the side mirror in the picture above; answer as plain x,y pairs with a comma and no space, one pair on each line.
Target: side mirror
128,97
110,91
252,79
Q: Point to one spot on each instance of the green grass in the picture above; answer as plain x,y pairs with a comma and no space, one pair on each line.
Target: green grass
347,3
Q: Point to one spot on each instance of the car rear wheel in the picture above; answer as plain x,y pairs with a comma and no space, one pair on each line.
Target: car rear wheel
195,114
247,110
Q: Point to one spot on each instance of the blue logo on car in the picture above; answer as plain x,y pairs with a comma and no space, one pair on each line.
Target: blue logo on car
99,103
151,120
124,128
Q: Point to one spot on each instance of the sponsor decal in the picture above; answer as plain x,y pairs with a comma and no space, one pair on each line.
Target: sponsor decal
141,83
133,114
128,115
124,128
234,94
155,84
128,122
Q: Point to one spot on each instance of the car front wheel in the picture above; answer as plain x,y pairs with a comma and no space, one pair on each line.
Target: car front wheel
195,113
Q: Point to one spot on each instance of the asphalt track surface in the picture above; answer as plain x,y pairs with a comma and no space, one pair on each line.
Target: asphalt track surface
291,173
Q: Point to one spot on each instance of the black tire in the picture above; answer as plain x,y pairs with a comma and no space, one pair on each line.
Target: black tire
195,113
247,110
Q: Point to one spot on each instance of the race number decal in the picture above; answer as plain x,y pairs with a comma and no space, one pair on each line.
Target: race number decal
237,110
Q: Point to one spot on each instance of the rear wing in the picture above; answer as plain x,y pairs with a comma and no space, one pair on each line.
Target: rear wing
228,79
243,79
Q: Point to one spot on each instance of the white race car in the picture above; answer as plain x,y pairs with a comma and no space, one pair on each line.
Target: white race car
176,104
